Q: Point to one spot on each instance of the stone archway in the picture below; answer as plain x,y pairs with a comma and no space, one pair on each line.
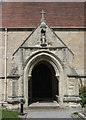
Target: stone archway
53,64
43,84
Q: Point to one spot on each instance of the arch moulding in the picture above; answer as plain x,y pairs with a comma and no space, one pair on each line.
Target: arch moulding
50,58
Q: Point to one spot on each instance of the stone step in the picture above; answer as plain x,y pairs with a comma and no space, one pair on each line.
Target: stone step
42,105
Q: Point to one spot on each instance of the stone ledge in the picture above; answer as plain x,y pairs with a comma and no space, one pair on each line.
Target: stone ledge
16,107
82,116
72,99
12,100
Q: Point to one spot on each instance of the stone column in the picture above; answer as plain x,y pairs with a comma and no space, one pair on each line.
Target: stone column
21,72
27,90
10,92
65,71
76,82
61,86
13,91
57,79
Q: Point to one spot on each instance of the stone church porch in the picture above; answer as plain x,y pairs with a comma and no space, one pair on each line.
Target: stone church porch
42,70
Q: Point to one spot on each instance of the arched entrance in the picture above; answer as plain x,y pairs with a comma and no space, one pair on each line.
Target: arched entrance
43,85
54,66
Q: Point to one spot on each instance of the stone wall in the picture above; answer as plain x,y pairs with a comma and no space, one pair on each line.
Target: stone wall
73,39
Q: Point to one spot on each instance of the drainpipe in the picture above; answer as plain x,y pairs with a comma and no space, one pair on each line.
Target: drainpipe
5,89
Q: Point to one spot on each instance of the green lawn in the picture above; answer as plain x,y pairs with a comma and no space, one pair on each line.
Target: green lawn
75,113
6,114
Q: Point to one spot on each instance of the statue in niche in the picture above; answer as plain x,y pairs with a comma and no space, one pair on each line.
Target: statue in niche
43,37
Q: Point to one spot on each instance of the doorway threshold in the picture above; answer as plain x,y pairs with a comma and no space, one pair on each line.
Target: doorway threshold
44,104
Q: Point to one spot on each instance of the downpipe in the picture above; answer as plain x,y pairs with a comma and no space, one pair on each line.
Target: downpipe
5,89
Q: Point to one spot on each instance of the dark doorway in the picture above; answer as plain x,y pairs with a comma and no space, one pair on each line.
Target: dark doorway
43,84
41,81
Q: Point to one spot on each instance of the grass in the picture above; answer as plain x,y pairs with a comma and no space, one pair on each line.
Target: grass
75,113
9,115
0,114
82,93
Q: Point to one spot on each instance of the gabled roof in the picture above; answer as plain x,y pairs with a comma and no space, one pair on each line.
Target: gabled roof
58,14
26,39
31,40
72,72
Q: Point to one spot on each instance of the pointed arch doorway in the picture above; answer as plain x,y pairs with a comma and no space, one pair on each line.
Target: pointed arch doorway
43,85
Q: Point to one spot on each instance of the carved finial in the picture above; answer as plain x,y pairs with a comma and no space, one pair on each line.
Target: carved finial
42,12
